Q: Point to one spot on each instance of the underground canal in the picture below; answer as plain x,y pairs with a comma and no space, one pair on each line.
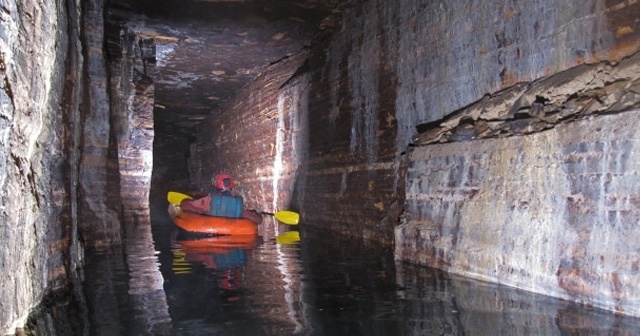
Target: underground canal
459,168
324,284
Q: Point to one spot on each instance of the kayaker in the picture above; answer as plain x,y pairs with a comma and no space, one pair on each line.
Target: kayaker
222,186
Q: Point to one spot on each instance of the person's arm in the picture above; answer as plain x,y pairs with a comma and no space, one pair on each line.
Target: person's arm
252,215
200,205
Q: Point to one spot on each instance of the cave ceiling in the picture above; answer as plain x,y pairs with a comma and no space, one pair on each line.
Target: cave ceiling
207,50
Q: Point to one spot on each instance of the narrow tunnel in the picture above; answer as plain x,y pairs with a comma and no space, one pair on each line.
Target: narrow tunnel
492,141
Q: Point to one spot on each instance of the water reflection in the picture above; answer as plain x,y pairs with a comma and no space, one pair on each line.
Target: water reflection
355,288
124,287
232,286
285,282
224,254
437,302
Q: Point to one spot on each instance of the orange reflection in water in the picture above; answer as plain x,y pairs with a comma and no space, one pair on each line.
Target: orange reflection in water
226,254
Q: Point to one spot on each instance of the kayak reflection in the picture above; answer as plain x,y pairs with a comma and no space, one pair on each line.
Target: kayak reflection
226,255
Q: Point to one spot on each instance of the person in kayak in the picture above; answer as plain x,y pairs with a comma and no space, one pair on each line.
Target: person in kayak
223,184
221,201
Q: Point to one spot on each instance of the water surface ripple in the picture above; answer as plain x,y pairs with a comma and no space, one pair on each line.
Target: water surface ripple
322,285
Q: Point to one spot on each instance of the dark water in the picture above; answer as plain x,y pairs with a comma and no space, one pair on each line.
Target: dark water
163,283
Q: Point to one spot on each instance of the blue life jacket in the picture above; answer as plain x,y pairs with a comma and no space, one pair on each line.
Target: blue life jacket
226,206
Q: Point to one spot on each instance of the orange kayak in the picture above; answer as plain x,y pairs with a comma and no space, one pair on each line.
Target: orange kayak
195,222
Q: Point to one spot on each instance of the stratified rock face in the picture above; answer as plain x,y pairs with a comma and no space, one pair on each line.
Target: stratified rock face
132,66
392,70
535,187
39,248
423,73
555,212
260,138
60,159
99,209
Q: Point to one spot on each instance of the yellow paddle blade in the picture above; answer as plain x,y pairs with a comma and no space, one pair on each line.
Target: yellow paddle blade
176,198
287,217
288,237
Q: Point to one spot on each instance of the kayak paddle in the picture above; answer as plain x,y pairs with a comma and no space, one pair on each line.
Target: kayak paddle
176,198
284,216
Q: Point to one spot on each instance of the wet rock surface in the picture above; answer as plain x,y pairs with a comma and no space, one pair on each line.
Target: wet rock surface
583,92
40,247
550,211
326,127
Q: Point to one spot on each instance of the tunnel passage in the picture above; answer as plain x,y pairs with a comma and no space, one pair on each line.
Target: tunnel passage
452,120
345,128
233,84
359,115
216,69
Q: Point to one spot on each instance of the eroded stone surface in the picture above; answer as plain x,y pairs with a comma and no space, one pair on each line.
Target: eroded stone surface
132,94
578,93
327,135
40,250
553,212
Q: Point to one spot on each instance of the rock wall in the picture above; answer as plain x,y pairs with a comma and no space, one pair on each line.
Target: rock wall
132,58
550,211
391,74
352,181
63,150
99,209
532,184
39,70
419,73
